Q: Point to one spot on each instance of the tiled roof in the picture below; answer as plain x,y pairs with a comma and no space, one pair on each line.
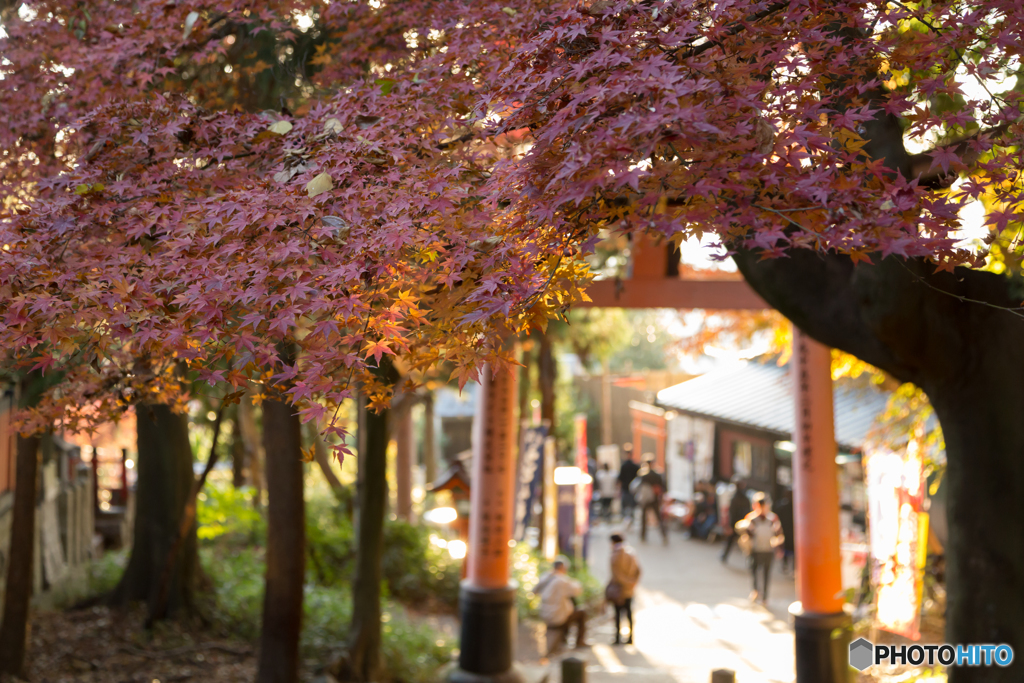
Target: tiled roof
759,395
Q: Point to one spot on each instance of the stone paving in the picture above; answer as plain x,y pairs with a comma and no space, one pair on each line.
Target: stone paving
692,615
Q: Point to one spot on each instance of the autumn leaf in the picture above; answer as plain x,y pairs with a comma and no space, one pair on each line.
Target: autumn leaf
320,184
376,349
280,127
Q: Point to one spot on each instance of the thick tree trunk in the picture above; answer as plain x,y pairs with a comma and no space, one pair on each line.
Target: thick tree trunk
547,373
18,592
286,545
364,635
165,478
950,334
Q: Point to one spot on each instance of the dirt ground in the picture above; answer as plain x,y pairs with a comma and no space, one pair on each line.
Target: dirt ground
100,645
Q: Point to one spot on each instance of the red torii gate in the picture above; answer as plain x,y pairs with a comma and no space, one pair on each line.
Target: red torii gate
487,596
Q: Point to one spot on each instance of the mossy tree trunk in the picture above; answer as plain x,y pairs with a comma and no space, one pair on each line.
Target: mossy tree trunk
165,479
18,592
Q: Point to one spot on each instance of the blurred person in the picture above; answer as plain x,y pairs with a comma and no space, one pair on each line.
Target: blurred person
705,510
784,510
607,487
625,575
558,592
739,507
650,487
763,529
627,474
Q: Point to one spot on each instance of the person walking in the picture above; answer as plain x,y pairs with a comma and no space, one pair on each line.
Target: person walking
627,473
607,487
650,487
765,533
558,610
625,575
739,507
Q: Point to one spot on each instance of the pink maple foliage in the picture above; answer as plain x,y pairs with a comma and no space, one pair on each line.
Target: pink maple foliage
430,179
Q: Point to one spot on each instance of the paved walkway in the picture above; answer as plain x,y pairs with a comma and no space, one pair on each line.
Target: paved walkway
692,615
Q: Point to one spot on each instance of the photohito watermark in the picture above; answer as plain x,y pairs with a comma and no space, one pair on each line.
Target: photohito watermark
864,653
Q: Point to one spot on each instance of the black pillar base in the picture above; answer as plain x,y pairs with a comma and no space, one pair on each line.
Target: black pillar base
487,635
822,647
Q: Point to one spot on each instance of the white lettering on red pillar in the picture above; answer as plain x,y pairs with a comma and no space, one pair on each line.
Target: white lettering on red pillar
804,388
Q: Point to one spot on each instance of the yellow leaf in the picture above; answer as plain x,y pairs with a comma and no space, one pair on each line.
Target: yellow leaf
320,184
281,127
332,126
509,11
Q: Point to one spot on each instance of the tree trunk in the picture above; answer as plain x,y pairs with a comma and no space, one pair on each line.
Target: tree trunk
251,443
547,373
429,446
323,460
405,447
185,527
165,478
922,327
286,545
364,635
18,592
239,466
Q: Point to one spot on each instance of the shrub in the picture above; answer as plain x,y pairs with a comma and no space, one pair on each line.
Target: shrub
412,653
418,572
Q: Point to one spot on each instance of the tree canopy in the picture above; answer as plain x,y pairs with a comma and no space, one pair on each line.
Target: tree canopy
429,173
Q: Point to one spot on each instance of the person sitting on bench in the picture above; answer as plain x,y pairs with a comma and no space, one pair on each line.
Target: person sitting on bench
558,607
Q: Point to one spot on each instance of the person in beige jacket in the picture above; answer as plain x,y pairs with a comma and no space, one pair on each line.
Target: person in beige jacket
625,575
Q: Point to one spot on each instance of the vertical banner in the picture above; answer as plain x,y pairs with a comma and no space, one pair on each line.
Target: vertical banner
550,522
529,476
898,536
584,487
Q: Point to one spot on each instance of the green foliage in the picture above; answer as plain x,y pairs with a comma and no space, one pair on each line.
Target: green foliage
330,542
417,571
106,571
224,510
232,534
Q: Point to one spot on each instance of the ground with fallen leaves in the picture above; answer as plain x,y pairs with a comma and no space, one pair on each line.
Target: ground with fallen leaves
102,645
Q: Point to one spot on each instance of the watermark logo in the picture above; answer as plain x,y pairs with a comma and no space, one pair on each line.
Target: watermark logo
864,653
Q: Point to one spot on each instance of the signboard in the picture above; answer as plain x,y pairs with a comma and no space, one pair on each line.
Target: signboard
898,536
529,477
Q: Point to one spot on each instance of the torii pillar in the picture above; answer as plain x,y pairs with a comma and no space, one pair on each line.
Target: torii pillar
487,596
822,628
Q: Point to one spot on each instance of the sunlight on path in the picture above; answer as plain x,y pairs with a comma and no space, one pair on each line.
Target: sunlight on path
693,616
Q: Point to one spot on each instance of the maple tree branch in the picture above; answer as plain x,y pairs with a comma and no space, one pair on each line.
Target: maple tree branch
731,30
922,167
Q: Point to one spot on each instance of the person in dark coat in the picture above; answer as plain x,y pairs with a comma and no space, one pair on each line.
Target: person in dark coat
784,511
739,507
627,473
